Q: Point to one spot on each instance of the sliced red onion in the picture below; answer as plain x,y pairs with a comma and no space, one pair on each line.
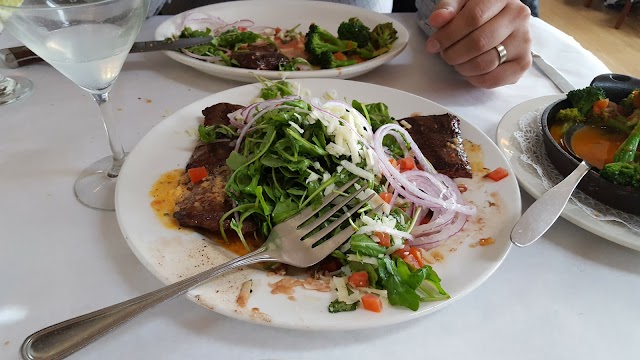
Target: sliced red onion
432,241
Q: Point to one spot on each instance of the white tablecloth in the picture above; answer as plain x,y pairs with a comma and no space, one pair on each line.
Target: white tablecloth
570,295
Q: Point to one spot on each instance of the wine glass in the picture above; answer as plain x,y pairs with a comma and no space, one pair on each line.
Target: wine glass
14,87
88,42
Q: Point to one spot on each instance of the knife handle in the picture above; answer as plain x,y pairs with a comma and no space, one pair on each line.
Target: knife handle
18,56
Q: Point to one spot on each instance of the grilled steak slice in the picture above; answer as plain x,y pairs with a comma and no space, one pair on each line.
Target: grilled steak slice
203,204
439,138
260,57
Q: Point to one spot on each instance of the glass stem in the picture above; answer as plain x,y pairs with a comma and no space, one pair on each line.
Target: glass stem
112,133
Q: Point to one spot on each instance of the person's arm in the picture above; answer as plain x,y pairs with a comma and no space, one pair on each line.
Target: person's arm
469,33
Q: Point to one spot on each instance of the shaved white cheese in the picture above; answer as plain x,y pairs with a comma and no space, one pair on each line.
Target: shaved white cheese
295,126
375,201
346,270
343,292
335,150
318,167
373,291
405,124
396,244
312,176
363,259
329,189
352,168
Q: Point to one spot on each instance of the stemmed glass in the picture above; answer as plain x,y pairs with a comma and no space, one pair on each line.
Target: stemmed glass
14,87
88,42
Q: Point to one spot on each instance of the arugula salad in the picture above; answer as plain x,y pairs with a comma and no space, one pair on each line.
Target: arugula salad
245,45
291,149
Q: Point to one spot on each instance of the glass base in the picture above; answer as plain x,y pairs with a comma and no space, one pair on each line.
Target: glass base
14,88
94,188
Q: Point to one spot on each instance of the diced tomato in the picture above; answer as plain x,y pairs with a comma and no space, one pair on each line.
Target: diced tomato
407,164
393,163
386,197
412,261
242,28
197,174
600,105
417,254
371,302
277,30
498,174
340,56
402,252
385,239
359,279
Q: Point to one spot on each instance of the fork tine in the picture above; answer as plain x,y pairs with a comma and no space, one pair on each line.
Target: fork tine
333,243
329,228
307,228
305,214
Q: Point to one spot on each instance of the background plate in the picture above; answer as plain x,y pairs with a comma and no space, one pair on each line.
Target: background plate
285,14
172,255
530,181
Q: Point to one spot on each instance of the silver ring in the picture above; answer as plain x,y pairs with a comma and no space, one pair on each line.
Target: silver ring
502,53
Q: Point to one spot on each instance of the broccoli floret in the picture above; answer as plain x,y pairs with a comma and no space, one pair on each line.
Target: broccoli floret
354,30
318,41
327,60
621,173
627,151
631,102
583,99
383,35
569,115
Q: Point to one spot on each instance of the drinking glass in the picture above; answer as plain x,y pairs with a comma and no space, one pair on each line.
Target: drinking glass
88,42
14,87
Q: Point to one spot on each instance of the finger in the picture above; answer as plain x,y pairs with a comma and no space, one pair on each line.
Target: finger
517,45
444,11
505,74
473,15
481,40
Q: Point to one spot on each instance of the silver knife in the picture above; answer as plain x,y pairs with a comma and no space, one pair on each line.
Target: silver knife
21,55
552,73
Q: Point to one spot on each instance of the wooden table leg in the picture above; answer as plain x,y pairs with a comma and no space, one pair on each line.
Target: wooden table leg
624,13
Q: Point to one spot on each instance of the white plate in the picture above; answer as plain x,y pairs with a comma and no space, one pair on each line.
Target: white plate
530,181
285,14
172,255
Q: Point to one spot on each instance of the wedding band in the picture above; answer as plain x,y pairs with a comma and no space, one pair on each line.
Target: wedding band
502,53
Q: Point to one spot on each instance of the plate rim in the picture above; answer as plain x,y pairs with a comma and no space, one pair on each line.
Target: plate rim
571,213
473,284
249,75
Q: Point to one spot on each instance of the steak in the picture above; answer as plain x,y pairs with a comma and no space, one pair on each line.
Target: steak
440,140
203,204
260,57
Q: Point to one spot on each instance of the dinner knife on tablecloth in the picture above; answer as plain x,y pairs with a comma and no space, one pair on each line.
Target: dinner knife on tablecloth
21,55
552,73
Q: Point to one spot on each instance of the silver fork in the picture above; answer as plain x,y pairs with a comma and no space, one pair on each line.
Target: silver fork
285,244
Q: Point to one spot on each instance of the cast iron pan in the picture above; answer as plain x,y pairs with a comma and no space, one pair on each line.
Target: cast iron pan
627,199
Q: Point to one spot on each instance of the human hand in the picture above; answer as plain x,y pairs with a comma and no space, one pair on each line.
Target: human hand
469,32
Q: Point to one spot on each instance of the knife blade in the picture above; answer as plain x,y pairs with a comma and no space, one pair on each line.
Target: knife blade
21,55
552,73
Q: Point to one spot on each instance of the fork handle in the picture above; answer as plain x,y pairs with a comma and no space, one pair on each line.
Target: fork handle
63,339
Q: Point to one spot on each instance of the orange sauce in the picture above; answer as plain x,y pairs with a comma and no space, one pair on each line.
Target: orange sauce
557,133
166,190
234,244
597,145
